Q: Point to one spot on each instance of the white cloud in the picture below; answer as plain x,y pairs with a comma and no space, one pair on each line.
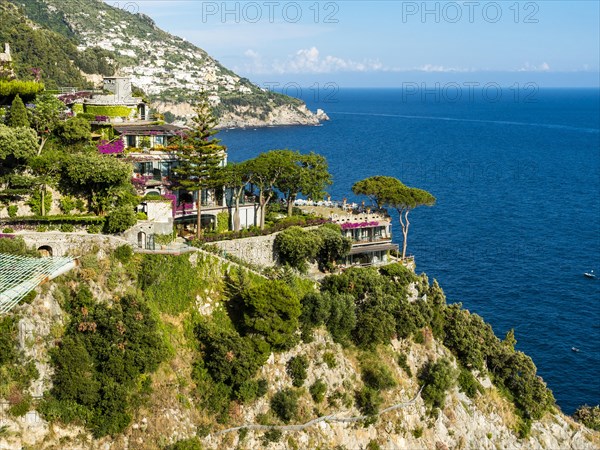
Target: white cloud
442,69
527,67
310,60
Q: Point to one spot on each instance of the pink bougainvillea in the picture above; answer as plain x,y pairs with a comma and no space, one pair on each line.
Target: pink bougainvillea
110,148
350,226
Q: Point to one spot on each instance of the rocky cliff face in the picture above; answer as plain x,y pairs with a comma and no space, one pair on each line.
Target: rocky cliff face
167,68
172,412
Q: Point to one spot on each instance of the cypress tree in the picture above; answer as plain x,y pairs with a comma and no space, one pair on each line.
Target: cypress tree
18,114
200,157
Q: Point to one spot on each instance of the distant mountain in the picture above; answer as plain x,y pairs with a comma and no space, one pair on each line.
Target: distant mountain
99,38
57,55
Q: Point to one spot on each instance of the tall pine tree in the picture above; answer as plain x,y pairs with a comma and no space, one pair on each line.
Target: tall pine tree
200,157
18,114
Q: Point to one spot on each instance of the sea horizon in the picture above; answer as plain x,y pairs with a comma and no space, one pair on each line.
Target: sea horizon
497,240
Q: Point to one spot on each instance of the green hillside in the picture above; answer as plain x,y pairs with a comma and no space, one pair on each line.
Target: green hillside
55,54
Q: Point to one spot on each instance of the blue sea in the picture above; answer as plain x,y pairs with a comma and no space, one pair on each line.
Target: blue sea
517,218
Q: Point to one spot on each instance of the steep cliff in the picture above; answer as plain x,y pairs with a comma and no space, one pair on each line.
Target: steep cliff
169,329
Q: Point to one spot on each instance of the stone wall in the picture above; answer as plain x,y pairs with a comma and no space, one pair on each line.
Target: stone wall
70,244
254,250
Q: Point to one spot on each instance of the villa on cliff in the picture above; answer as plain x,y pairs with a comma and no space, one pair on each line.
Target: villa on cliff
125,125
370,230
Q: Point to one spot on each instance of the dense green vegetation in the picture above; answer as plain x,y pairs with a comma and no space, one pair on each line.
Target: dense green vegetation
105,357
55,54
102,362
297,247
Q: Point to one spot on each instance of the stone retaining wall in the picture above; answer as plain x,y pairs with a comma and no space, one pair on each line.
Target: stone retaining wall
71,244
254,250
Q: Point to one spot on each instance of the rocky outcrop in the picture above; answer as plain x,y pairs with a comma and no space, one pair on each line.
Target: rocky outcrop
247,117
171,412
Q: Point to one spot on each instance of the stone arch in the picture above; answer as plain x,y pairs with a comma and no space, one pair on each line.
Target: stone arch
45,250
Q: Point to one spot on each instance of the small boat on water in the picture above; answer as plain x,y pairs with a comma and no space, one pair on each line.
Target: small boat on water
589,274
575,349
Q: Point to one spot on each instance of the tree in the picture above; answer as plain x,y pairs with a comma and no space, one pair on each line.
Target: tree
392,193
302,174
236,176
266,169
200,156
16,146
295,246
436,379
76,130
272,310
18,114
46,167
120,219
333,246
46,117
94,176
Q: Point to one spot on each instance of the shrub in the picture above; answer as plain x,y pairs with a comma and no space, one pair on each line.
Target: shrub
120,219
467,383
67,228
318,390
164,239
296,369
8,230
342,318
12,211
273,435
80,205
271,310
222,222
589,416
248,391
377,375
66,205
16,246
329,359
403,363
123,253
186,444
228,357
398,273
285,404
437,378
368,401
22,407
141,215
8,332
99,365
94,229
373,445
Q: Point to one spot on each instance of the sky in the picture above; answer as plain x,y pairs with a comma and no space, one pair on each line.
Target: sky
388,43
